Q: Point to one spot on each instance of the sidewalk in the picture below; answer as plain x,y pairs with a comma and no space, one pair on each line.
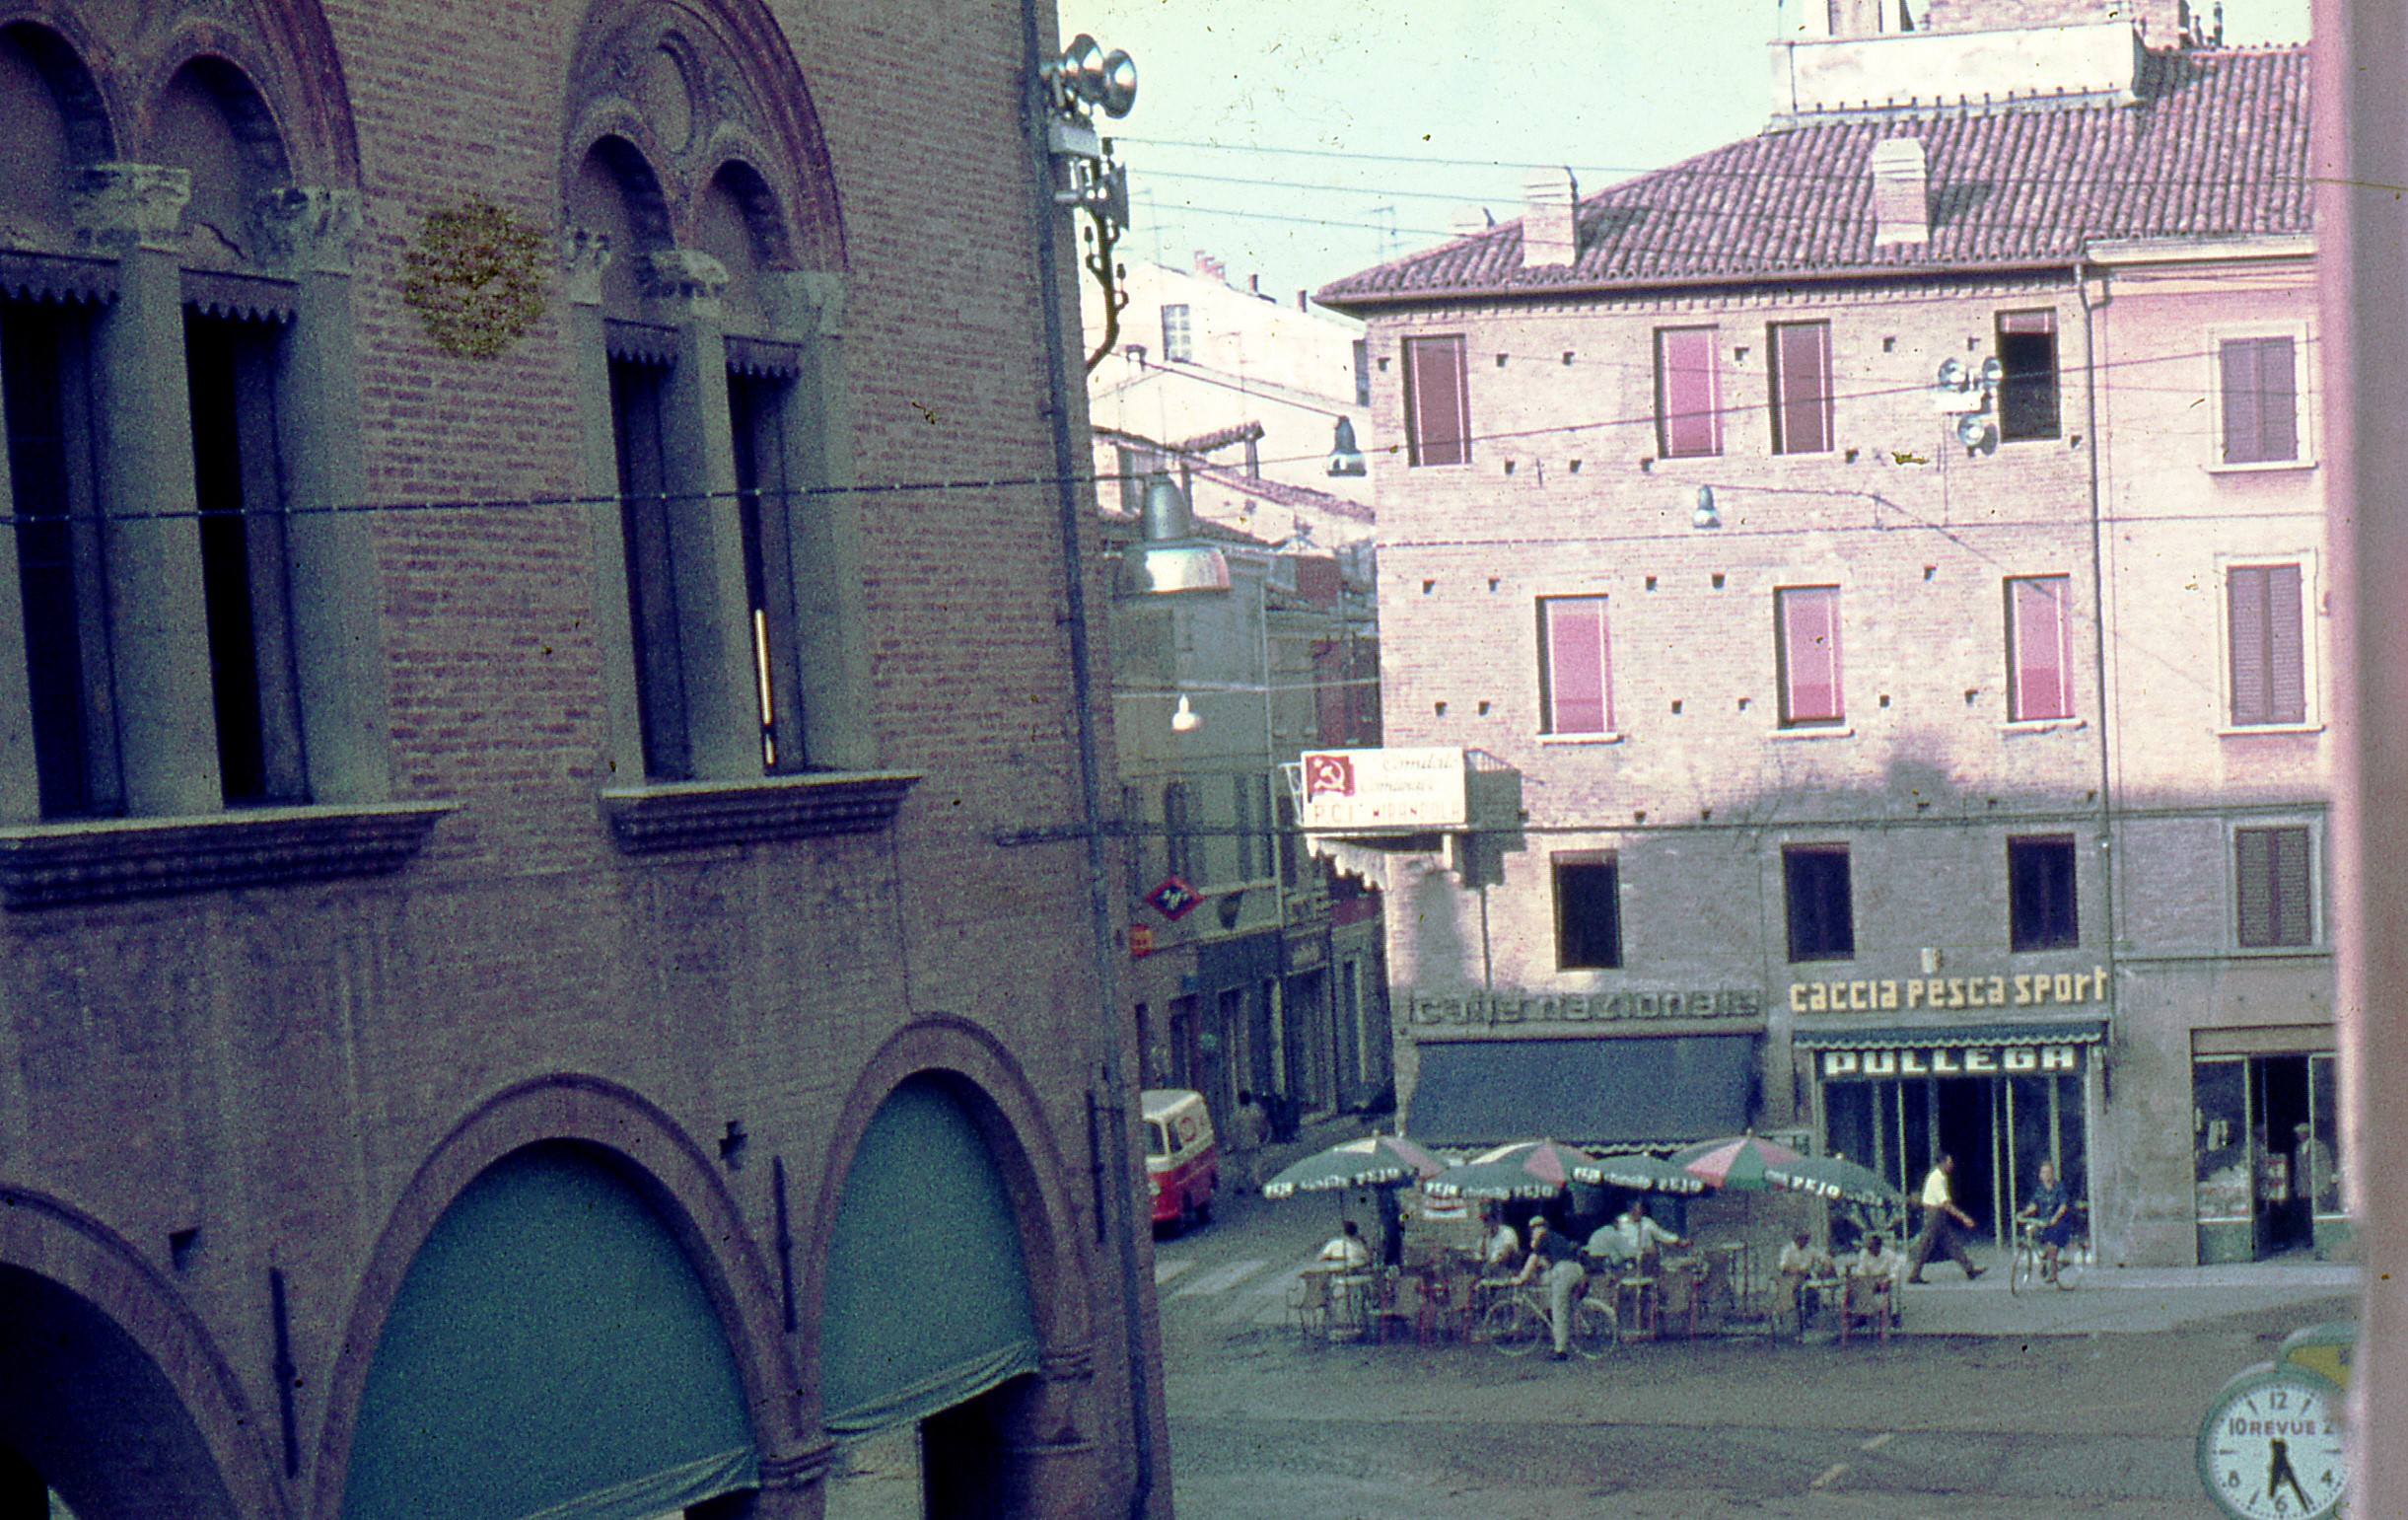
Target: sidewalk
2133,1300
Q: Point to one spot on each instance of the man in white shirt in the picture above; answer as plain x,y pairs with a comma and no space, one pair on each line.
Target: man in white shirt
1504,1250
1803,1263
1940,1217
1346,1248
1877,1262
1641,1235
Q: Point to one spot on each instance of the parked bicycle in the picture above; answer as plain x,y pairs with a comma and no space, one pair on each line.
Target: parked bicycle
1517,1323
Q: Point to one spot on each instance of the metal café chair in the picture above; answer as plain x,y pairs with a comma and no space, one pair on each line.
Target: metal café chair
1309,1304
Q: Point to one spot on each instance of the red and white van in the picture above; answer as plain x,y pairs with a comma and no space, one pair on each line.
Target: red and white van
1183,1161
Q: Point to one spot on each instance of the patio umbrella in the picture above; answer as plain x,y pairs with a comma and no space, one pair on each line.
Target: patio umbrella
1638,1170
1370,1162
1532,1169
1739,1162
1835,1178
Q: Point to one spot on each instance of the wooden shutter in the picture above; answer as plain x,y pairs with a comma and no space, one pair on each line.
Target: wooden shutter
1688,423
2278,400
2261,400
2268,644
1438,425
1809,654
1578,666
1801,387
2274,886
2037,635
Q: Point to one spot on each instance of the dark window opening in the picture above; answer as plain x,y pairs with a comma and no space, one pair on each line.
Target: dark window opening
2028,375
237,473
1588,912
1363,373
2040,895
45,372
1178,845
1821,911
636,399
757,406
2274,886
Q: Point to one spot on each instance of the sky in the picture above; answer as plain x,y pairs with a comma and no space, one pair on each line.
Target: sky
1301,140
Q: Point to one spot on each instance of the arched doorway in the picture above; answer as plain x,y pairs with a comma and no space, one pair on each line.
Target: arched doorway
85,1414
928,1328
550,1350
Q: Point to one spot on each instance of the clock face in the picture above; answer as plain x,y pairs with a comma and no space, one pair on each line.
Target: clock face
2271,1447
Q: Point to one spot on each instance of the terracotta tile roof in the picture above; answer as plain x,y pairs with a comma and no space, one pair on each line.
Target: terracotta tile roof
2216,144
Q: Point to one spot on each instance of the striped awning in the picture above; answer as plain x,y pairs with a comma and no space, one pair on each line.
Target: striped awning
1950,1036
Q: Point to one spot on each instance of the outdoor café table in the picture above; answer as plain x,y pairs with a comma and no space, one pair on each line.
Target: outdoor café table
1350,1298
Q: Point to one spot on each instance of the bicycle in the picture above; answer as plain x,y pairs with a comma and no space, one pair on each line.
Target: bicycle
1517,1324
2025,1272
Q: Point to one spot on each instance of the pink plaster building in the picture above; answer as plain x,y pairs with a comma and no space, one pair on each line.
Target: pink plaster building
1884,556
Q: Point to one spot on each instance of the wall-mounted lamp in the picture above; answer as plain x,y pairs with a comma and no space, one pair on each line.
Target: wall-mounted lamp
1184,719
1171,560
1706,516
1344,458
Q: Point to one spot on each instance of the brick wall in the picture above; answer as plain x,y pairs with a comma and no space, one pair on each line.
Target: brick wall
273,1067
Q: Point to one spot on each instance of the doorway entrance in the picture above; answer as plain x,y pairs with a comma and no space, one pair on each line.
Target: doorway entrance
2265,1154
2000,1129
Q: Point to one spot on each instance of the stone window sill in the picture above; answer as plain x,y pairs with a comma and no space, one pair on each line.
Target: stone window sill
2261,466
1815,731
2042,725
691,815
107,860
1609,736
2252,730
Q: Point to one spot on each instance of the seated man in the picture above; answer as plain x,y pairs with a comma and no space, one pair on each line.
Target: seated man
1641,1235
1801,1263
1606,1247
1884,1268
1504,1250
1560,1261
1346,1248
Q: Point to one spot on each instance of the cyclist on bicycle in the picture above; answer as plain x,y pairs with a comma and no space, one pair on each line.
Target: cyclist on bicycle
2051,1208
1560,1260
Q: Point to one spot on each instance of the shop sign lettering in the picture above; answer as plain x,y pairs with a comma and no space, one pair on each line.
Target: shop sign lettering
2020,992
1484,1010
1954,1061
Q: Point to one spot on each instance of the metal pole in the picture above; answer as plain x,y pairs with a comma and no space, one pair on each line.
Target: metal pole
1121,1189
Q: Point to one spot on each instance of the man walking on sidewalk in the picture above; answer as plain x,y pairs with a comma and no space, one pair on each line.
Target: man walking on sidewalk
1940,1217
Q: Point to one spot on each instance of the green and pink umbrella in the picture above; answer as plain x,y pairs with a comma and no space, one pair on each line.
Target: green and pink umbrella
1532,1169
1743,1162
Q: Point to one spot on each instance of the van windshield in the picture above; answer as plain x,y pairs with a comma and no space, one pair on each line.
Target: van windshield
1157,1139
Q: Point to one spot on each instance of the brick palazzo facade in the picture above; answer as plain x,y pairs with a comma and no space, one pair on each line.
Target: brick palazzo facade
515,996
1885,552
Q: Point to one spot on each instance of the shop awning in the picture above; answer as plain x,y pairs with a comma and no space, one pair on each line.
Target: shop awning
1920,1036
1585,1092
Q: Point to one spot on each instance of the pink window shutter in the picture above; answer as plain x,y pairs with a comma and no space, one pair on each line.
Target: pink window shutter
1440,428
1578,667
1687,400
2042,685
1803,361
1809,626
